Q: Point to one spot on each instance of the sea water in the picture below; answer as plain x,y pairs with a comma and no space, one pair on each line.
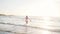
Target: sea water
38,25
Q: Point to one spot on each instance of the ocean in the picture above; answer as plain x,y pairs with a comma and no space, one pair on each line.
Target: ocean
37,25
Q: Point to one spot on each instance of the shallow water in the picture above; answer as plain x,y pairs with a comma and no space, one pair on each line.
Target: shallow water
16,25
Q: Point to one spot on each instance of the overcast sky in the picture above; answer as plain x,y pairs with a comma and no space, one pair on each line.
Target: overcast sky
29,7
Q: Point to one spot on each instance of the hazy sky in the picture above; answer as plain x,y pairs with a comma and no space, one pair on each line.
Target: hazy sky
29,7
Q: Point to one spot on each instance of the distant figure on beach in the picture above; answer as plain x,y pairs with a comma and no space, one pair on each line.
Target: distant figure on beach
27,19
